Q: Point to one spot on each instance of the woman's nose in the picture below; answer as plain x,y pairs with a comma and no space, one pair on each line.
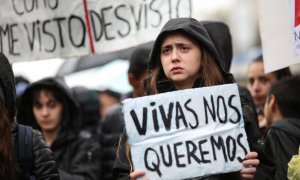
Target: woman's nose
175,56
256,86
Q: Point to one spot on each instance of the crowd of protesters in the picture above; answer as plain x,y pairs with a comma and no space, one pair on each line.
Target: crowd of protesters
79,134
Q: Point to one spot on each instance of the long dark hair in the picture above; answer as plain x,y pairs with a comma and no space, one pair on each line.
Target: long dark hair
7,166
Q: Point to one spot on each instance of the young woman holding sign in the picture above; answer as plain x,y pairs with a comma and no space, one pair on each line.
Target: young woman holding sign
184,56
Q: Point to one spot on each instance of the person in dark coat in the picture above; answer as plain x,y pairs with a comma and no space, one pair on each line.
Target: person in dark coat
48,105
112,125
192,38
89,106
44,165
281,110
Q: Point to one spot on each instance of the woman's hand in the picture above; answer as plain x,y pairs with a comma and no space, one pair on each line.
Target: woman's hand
136,174
250,164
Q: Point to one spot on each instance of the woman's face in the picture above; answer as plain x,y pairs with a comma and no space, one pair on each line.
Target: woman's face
259,83
181,60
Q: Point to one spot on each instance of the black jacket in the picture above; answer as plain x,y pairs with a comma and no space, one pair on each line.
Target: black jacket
281,142
111,127
196,31
44,166
76,157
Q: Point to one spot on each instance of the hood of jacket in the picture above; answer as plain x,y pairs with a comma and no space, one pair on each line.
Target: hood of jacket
70,124
220,35
197,31
7,86
289,126
89,105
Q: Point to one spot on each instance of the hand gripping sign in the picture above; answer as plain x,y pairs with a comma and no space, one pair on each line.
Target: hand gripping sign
187,133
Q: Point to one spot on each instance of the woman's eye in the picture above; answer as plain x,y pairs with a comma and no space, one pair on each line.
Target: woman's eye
166,51
184,48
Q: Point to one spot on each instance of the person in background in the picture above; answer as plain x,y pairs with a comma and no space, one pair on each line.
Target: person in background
44,165
89,106
183,57
259,85
107,99
21,85
48,105
112,125
281,110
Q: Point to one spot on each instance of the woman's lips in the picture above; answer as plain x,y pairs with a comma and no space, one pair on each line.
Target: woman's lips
176,69
258,99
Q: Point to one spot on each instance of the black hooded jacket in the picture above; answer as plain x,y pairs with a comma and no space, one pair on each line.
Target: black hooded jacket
282,141
197,32
44,166
76,157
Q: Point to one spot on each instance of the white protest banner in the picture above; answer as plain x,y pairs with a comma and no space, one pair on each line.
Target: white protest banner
34,29
188,133
122,23
280,33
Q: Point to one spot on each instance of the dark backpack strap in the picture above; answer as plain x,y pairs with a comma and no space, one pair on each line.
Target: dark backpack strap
25,150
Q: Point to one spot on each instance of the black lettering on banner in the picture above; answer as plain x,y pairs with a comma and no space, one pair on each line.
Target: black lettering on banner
106,24
223,121
220,145
81,43
211,110
146,16
191,149
31,37
8,31
17,11
297,36
202,153
93,14
177,8
193,112
137,19
39,35
13,40
151,8
170,161
54,5
178,156
59,20
28,6
180,115
167,120
170,9
235,109
50,35
141,130
154,116
122,19
231,141
155,166
242,146
4,32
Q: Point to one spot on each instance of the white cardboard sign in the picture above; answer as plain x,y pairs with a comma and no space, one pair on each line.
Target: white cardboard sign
280,33
188,133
